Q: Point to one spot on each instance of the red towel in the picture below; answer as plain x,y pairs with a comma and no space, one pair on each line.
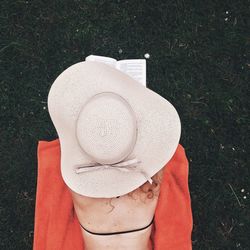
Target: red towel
56,224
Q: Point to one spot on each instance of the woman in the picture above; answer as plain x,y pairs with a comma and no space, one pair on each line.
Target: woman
115,137
126,221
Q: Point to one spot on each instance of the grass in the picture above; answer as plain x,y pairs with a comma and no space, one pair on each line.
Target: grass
199,61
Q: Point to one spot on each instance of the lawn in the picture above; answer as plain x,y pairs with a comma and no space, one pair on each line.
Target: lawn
199,61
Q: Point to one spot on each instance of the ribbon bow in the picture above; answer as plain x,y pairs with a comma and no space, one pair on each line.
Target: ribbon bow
129,165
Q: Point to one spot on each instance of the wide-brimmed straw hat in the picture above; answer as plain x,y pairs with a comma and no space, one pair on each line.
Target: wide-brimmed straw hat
114,133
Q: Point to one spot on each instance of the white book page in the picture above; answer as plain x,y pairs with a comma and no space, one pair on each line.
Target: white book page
108,60
136,68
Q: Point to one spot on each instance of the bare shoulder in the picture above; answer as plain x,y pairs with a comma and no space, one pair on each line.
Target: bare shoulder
145,194
132,210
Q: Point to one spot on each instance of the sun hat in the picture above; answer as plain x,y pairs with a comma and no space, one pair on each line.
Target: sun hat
114,133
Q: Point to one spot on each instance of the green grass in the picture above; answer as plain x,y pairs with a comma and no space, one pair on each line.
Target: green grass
199,61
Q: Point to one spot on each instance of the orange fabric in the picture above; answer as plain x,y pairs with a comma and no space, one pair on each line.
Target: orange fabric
56,224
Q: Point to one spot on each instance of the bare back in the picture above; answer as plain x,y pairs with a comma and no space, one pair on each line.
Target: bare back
114,215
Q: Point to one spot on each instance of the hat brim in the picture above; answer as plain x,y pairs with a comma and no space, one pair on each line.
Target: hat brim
159,127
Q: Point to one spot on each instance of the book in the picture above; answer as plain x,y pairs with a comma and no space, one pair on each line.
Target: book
135,68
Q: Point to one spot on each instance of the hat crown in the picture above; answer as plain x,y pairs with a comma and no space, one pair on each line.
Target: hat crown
106,128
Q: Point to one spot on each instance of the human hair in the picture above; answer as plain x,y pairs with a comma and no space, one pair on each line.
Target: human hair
146,190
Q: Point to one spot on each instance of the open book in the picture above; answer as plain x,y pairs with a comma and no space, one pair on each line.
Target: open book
136,68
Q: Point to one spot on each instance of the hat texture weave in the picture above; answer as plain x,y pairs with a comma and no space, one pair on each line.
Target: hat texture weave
114,133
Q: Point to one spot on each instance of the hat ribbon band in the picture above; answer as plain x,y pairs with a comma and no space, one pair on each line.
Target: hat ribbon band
129,165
